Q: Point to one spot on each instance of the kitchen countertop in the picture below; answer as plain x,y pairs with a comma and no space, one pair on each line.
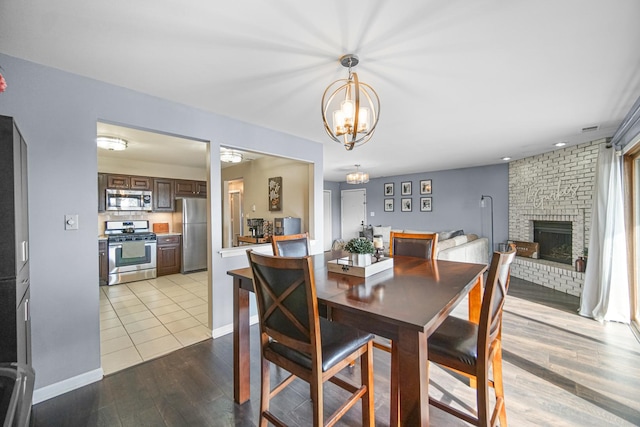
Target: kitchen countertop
103,237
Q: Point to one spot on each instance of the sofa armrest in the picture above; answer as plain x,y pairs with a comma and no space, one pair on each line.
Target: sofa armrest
475,251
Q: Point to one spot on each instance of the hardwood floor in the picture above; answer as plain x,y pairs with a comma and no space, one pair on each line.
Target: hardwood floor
560,369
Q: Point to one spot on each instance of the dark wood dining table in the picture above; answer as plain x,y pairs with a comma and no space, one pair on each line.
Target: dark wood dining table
405,304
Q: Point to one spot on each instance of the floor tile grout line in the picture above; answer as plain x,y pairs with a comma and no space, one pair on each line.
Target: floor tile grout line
132,292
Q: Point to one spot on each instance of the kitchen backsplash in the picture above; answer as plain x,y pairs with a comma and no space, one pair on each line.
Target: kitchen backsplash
152,217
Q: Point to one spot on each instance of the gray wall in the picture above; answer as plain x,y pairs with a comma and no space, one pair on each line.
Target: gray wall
57,114
455,201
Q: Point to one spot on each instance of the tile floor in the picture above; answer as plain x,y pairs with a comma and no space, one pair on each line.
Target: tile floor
142,320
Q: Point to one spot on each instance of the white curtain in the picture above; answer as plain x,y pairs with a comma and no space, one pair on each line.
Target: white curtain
605,294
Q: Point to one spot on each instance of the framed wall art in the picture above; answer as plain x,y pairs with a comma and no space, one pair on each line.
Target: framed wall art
388,205
425,186
388,189
406,205
425,204
275,193
406,188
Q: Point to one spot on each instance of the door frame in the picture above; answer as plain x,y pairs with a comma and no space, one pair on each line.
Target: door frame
364,207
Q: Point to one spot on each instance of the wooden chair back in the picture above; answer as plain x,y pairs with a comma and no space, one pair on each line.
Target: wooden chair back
286,298
493,299
419,245
291,245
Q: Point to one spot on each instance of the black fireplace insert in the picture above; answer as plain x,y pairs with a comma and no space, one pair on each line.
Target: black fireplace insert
554,238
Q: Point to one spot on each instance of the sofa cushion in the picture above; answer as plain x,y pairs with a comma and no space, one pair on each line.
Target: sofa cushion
445,235
384,231
460,240
446,244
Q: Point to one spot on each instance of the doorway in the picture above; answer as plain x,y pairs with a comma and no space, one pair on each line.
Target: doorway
354,210
632,217
235,219
328,224
144,319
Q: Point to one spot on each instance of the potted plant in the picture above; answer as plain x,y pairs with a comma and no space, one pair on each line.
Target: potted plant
361,250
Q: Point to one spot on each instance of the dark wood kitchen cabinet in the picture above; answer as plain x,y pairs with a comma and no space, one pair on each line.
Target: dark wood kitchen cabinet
15,312
169,254
129,182
187,188
102,193
163,195
103,262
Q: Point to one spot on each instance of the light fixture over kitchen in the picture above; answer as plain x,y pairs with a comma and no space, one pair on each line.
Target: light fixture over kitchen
355,107
230,156
357,177
111,143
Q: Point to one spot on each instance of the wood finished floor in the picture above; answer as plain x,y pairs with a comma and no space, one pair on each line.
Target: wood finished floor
559,370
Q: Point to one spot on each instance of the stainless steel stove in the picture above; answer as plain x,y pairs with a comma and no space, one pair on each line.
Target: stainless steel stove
132,251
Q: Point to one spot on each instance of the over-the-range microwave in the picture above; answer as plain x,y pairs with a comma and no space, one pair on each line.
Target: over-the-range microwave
128,200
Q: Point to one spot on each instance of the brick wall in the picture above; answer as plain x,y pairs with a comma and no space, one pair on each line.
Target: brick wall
554,186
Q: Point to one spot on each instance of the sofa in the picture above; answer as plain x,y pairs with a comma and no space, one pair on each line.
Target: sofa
452,245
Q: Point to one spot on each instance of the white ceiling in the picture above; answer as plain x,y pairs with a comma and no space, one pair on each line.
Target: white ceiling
462,83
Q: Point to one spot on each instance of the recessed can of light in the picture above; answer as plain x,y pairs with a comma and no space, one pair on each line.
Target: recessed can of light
560,144
506,159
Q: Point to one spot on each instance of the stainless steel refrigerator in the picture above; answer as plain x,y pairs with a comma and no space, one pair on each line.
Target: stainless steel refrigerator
190,218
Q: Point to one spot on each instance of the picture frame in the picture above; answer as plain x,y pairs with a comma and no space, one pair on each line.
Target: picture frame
388,205
405,188
425,186
275,193
405,204
425,204
388,189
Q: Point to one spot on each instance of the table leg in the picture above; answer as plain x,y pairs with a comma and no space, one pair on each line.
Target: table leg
475,304
241,355
413,378
475,300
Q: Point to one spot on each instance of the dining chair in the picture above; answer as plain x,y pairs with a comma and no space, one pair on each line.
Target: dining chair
419,245
292,245
474,349
294,337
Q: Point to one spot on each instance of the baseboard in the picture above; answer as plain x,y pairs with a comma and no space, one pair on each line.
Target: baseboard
53,390
227,329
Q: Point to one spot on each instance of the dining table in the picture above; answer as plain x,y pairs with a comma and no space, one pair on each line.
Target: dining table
405,304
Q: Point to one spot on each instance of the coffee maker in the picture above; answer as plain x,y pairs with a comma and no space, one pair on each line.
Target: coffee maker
256,227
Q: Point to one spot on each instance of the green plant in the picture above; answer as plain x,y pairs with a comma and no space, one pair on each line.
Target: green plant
359,245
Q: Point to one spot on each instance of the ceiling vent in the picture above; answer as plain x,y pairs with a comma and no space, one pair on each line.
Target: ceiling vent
590,129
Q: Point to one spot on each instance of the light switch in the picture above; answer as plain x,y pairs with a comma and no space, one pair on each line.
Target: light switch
372,214
71,222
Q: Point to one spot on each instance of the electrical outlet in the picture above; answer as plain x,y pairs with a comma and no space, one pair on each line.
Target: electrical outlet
71,222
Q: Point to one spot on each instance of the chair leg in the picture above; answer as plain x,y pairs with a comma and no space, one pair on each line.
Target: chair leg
395,391
265,391
366,378
498,386
482,398
317,403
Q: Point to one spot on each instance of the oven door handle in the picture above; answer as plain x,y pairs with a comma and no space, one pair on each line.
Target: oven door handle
119,245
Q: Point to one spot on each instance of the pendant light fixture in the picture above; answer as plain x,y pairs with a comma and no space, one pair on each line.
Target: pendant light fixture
354,108
357,177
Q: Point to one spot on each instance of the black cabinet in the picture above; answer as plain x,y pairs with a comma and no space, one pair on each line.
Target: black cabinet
15,316
163,195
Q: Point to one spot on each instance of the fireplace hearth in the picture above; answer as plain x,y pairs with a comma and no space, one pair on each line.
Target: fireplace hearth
554,238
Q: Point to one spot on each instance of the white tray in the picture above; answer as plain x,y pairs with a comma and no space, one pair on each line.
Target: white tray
345,266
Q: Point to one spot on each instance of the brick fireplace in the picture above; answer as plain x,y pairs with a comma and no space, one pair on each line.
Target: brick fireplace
555,187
